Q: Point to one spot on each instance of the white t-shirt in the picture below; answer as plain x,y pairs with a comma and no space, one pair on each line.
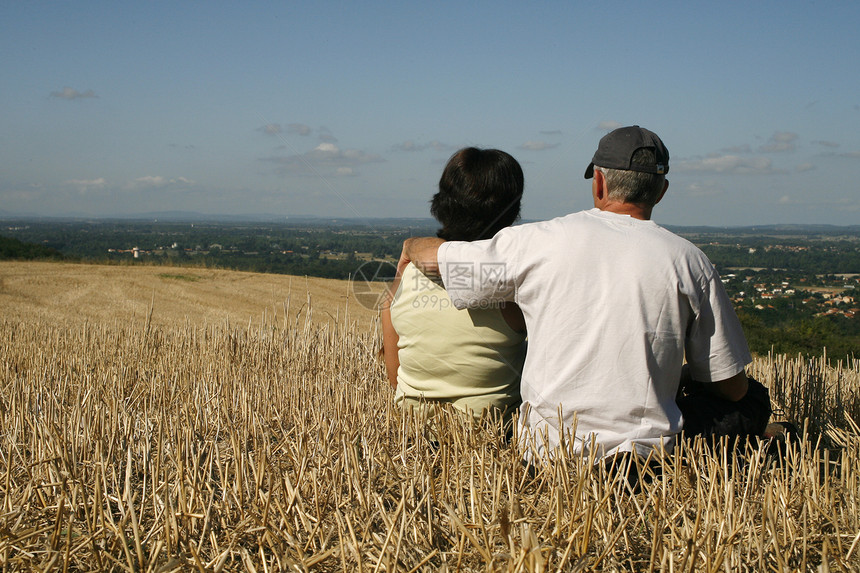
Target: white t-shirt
613,305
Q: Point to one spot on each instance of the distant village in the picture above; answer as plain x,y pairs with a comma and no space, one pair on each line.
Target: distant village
830,295
760,289
136,252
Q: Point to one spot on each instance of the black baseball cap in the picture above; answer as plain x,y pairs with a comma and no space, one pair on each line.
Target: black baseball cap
616,148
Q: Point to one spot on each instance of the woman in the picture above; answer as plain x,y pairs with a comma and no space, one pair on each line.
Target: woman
472,358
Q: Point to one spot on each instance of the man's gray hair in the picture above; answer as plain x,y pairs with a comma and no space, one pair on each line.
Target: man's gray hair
634,186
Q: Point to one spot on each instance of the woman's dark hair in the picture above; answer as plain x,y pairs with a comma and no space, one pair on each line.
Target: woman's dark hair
479,194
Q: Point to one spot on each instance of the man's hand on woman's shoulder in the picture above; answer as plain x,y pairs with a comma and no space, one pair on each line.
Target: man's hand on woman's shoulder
422,252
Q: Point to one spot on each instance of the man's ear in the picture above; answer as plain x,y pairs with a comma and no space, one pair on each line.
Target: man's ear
663,192
598,186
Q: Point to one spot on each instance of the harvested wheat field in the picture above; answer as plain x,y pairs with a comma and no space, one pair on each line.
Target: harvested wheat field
167,296
186,442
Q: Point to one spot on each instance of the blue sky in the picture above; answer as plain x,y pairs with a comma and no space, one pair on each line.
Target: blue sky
352,109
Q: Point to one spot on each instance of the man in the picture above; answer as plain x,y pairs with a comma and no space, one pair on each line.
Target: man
613,305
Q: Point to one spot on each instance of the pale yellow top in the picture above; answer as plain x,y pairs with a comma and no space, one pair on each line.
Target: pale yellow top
470,358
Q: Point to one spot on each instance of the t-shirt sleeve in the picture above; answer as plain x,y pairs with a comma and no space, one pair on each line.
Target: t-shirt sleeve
716,347
479,274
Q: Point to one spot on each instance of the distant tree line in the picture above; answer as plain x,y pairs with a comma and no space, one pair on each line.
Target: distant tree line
13,249
835,257
808,336
93,240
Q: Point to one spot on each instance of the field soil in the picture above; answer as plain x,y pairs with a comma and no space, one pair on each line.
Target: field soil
69,293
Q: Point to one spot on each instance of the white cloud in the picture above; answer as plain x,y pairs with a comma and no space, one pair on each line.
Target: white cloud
737,149
277,129
703,189
779,142
326,159
150,181
439,146
845,154
830,144
157,182
70,94
412,146
87,185
537,145
100,182
608,125
324,148
551,132
805,167
725,164
408,146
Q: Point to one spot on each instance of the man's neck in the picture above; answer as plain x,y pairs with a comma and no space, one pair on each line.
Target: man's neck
635,210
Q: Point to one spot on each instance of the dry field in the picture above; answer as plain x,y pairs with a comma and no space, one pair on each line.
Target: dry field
73,293
269,442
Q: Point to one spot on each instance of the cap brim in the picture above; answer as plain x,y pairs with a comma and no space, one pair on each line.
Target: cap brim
589,172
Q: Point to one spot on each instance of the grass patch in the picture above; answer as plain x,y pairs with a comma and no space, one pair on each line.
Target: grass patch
173,276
